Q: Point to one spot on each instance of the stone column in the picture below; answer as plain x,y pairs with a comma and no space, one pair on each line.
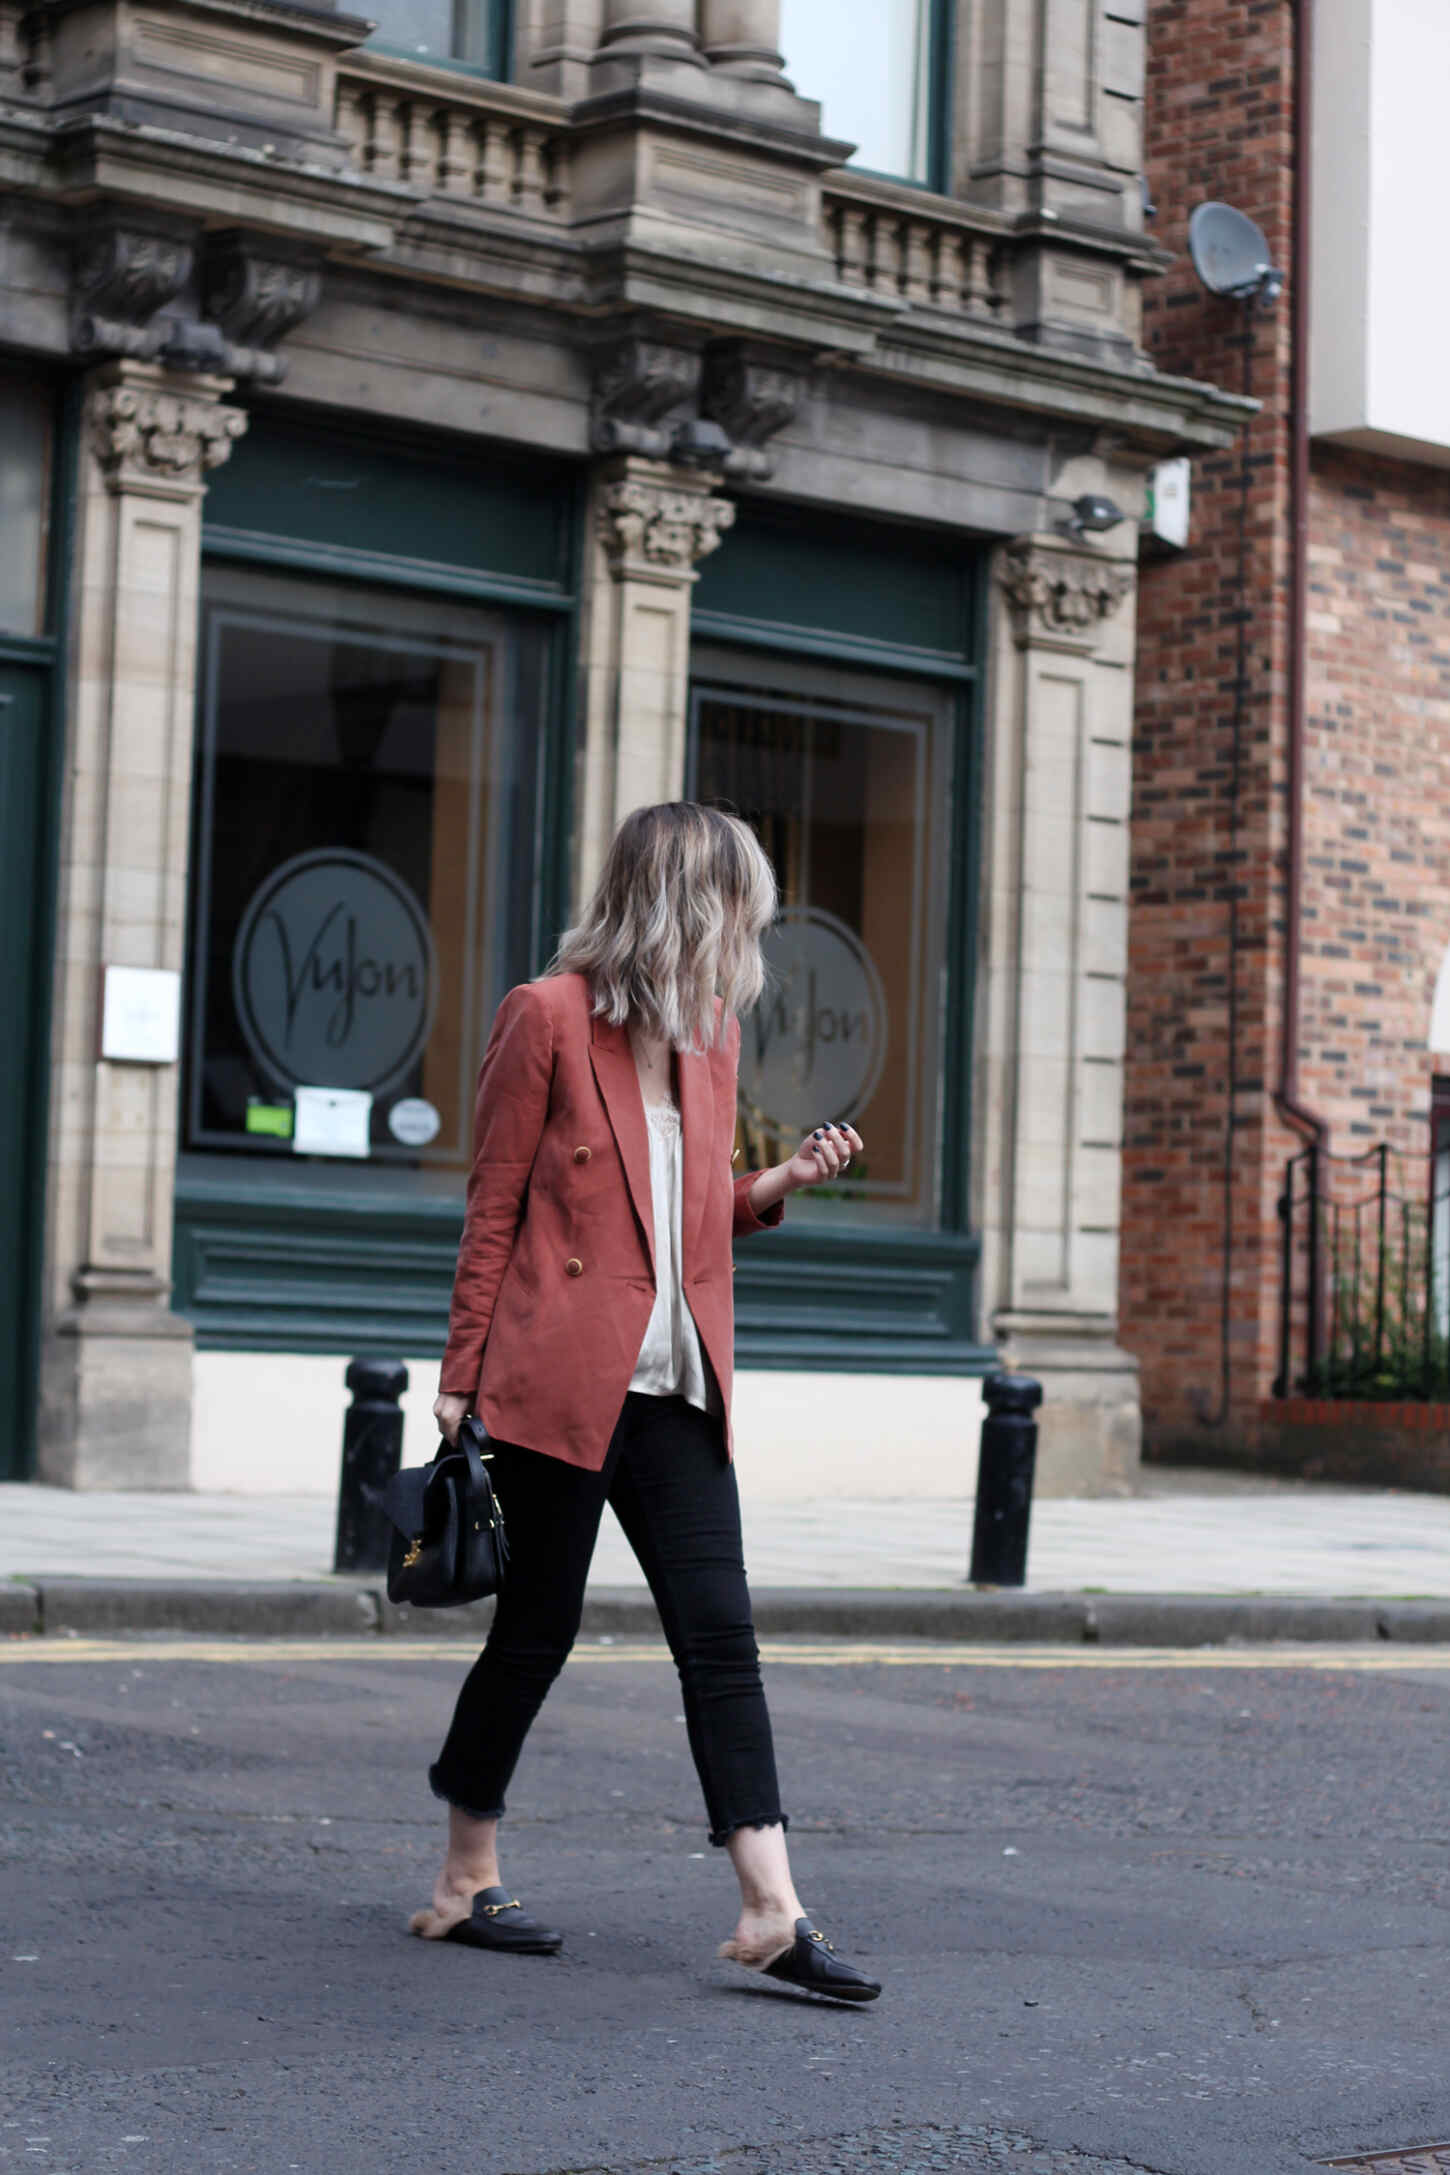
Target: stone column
557,41
651,524
742,37
666,27
1050,1063
115,1403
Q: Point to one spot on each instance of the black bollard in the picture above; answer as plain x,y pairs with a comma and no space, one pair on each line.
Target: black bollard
372,1451
1004,1480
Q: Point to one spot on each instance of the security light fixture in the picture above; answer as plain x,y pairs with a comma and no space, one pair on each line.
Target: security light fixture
1093,516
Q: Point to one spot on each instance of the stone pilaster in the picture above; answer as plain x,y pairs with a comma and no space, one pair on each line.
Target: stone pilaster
651,524
1050,1053
1048,127
116,1363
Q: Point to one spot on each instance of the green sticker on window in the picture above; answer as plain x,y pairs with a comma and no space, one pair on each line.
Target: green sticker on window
273,1118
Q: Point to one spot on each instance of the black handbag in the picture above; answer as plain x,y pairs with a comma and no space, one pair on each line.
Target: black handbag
448,1543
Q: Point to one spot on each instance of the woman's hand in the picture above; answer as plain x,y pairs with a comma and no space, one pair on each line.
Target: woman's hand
450,1413
825,1155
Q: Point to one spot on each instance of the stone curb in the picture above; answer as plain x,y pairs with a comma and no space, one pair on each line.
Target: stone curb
259,1610
19,1608
349,1608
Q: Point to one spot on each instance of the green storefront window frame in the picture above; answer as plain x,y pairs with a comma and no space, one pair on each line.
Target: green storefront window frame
46,654
352,1260
872,1299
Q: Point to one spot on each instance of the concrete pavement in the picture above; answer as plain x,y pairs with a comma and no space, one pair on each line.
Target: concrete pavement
1193,1556
1185,1532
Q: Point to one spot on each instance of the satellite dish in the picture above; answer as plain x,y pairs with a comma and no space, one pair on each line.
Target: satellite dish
1231,256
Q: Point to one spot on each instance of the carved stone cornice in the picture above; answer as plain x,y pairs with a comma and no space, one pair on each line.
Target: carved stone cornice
136,293
1060,596
658,529
123,275
155,439
751,393
639,383
257,293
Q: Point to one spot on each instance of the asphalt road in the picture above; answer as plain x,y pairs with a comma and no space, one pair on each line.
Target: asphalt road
1178,1914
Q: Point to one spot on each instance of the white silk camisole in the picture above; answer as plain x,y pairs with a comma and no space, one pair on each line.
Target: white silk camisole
671,1362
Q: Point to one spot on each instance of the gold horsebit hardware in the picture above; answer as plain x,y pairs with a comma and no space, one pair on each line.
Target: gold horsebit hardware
415,1550
492,1910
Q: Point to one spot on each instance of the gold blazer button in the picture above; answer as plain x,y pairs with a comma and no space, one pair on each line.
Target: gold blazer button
573,1268
582,1155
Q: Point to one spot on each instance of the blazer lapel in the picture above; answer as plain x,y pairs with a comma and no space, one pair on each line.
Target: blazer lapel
697,1124
614,1070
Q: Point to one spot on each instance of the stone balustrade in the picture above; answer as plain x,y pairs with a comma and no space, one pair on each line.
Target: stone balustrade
923,250
478,143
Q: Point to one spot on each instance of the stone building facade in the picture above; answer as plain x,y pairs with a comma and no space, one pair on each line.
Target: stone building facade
421,446
1333,862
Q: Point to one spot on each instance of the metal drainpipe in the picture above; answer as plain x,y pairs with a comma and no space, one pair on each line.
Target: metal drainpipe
1286,1093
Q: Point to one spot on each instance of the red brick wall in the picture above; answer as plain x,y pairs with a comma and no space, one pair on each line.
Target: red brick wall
1376,894
1218,123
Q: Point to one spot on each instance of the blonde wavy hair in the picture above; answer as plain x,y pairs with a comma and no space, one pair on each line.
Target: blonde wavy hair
676,920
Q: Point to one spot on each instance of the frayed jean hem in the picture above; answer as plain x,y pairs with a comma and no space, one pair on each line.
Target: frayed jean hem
721,1836
475,1812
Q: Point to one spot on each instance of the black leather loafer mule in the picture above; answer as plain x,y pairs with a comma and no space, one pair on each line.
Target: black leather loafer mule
812,1964
500,1921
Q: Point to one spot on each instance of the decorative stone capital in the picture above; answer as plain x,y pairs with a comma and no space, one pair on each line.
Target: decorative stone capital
638,384
1061,596
751,393
660,530
158,437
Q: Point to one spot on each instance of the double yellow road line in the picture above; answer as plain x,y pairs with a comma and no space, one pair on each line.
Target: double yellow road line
779,1653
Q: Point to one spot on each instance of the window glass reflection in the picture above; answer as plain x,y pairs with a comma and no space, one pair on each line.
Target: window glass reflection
850,801
467,30
25,409
365,862
869,63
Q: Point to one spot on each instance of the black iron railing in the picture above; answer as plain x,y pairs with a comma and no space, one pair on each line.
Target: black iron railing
1364,1296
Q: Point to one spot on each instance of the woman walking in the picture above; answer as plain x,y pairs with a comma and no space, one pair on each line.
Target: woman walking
592,1329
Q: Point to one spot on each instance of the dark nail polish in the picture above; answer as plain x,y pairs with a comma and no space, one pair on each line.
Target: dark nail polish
817,1134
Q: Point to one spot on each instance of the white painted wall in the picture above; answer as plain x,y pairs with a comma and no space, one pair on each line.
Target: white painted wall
1380,306
270,1423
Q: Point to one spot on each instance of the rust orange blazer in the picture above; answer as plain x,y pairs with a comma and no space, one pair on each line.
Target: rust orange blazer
555,1279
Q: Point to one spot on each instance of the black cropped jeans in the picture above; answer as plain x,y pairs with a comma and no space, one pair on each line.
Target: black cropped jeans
668,1482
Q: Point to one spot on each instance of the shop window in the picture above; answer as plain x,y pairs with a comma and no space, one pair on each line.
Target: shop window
475,32
846,779
25,429
366,862
877,68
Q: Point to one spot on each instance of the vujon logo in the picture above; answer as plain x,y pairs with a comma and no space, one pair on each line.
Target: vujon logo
821,1023
333,973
